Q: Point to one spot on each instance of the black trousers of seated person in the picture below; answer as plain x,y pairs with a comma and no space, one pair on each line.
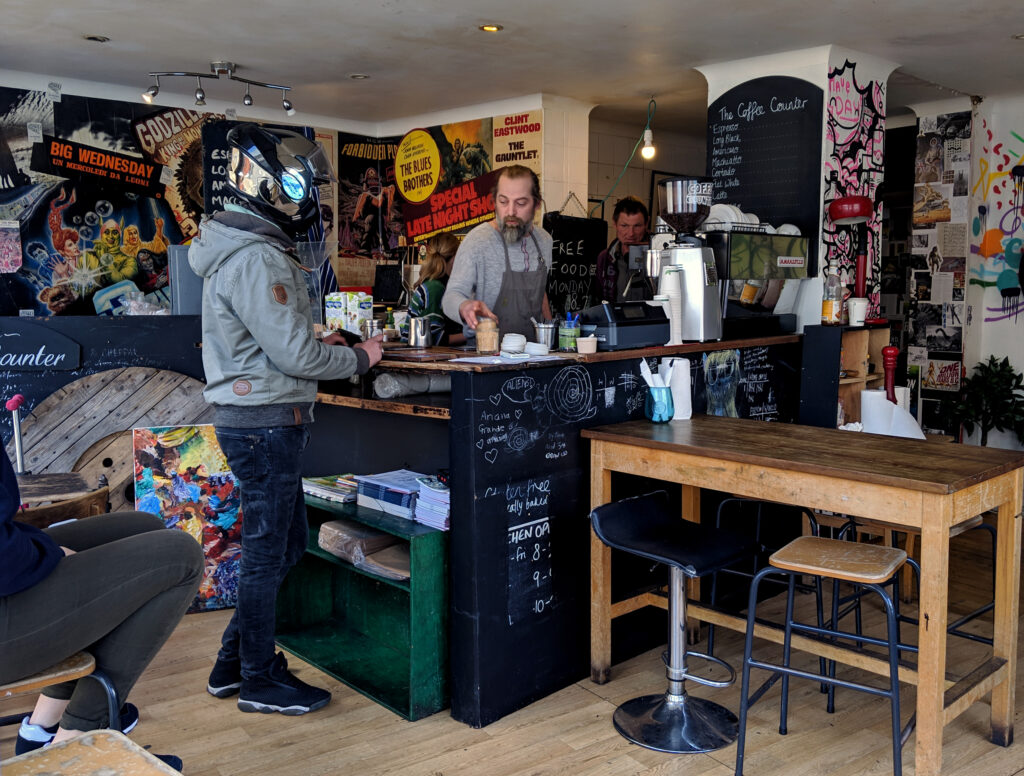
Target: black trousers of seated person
120,596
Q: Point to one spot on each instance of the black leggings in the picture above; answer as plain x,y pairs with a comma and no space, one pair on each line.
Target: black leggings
120,596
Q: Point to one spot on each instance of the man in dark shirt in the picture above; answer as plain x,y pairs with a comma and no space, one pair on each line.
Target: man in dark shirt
613,281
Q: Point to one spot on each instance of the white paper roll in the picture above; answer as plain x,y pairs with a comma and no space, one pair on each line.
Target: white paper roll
881,416
875,411
681,398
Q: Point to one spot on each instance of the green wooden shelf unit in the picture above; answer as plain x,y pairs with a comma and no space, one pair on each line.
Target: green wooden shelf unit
387,639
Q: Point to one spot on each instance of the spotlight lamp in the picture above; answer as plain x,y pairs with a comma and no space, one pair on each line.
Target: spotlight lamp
150,94
217,70
647,152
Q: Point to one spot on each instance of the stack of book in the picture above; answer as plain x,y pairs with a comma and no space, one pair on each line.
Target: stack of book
391,492
433,503
333,488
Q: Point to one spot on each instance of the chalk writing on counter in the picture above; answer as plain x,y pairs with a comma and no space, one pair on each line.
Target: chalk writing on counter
756,382
530,588
526,412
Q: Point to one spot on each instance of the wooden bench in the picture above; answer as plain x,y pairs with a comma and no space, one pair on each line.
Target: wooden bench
99,751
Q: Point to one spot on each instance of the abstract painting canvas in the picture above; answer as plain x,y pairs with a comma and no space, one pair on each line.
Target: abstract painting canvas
181,475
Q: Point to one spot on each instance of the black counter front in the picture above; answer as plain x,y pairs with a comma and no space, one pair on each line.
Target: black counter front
519,538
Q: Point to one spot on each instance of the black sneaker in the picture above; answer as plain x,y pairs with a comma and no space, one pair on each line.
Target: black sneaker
31,737
281,691
225,678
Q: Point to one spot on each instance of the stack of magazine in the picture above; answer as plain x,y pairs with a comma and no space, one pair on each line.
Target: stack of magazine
391,492
433,503
332,487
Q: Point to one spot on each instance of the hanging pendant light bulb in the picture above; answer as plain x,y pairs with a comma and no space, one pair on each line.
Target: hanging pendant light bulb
200,93
247,100
287,105
647,152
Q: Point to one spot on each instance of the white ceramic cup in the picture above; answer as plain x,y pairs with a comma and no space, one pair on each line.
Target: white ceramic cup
586,344
856,309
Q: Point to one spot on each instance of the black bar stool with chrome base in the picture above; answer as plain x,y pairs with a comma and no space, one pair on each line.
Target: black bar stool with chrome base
674,721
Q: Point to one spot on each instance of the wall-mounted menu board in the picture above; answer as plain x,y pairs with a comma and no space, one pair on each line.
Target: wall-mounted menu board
764,152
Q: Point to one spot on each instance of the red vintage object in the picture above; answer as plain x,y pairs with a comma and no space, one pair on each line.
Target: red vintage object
856,209
889,355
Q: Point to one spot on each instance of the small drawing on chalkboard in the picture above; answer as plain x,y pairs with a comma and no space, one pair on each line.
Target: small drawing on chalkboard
571,395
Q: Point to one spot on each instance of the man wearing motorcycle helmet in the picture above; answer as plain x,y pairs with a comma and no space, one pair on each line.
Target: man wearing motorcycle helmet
262,363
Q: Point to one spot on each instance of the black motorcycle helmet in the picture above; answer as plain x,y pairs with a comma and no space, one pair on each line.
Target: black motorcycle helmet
276,172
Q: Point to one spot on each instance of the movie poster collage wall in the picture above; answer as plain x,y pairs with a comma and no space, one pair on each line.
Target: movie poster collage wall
94,192
936,277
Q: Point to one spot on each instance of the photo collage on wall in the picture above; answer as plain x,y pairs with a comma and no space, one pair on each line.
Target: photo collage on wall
936,277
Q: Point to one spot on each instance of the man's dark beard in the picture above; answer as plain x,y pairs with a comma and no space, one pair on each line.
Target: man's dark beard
512,233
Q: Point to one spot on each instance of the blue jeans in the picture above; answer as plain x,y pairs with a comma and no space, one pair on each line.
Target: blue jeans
267,463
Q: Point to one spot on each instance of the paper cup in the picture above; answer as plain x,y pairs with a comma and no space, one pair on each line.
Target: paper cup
856,309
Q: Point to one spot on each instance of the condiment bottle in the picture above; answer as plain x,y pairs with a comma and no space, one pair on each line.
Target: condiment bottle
389,318
832,297
486,336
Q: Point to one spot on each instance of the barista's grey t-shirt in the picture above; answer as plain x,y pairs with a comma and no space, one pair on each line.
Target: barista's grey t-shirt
480,263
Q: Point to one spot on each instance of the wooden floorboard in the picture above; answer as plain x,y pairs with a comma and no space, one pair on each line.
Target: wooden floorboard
569,733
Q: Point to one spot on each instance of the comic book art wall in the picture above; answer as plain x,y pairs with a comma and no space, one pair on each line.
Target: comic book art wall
96,190
936,309
853,165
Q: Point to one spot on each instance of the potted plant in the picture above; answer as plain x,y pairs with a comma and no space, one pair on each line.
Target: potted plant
992,397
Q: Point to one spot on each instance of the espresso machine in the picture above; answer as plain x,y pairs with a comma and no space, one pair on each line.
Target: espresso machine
684,203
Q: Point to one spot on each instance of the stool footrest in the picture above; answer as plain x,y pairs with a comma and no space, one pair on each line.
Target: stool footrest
684,674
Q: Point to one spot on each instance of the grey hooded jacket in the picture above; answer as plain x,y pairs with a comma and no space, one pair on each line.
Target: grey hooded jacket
261,358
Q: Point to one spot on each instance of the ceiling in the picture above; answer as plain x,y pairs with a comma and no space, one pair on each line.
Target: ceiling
424,56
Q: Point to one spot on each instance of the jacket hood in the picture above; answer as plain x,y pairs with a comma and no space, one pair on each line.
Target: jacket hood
224,233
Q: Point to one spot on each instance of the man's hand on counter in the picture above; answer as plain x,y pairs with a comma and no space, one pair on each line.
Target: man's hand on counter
372,347
472,310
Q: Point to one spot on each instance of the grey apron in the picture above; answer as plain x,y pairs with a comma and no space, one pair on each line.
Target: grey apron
521,294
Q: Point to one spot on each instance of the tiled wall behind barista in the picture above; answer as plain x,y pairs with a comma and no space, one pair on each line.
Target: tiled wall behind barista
610,146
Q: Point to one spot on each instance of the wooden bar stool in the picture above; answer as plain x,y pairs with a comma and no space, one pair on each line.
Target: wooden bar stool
106,752
674,721
81,665
867,565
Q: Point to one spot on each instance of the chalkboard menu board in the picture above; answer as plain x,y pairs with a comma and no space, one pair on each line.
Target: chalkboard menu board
756,383
764,152
577,241
519,528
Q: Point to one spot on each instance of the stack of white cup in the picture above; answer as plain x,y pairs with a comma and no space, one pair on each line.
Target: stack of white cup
669,285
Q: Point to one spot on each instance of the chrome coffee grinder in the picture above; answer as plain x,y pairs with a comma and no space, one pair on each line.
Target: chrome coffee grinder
684,203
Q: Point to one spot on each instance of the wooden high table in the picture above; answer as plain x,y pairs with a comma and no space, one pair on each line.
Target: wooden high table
899,481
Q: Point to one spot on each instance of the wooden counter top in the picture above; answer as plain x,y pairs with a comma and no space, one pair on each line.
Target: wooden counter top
438,359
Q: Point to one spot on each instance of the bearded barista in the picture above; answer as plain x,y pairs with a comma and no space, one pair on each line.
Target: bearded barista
501,268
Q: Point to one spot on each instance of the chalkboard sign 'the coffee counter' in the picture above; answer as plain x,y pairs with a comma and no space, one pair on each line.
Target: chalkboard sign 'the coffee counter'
764,151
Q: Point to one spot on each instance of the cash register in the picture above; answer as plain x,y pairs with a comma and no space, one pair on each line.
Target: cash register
625,325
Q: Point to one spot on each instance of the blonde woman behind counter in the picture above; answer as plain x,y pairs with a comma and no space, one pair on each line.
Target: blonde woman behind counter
426,296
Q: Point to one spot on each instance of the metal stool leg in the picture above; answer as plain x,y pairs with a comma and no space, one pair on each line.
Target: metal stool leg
113,707
676,722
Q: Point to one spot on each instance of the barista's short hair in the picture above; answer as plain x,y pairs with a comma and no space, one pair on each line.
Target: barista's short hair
630,206
521,171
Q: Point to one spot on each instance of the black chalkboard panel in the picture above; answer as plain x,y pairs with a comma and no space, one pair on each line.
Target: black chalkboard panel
520,586
577,241
764,152
161,341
